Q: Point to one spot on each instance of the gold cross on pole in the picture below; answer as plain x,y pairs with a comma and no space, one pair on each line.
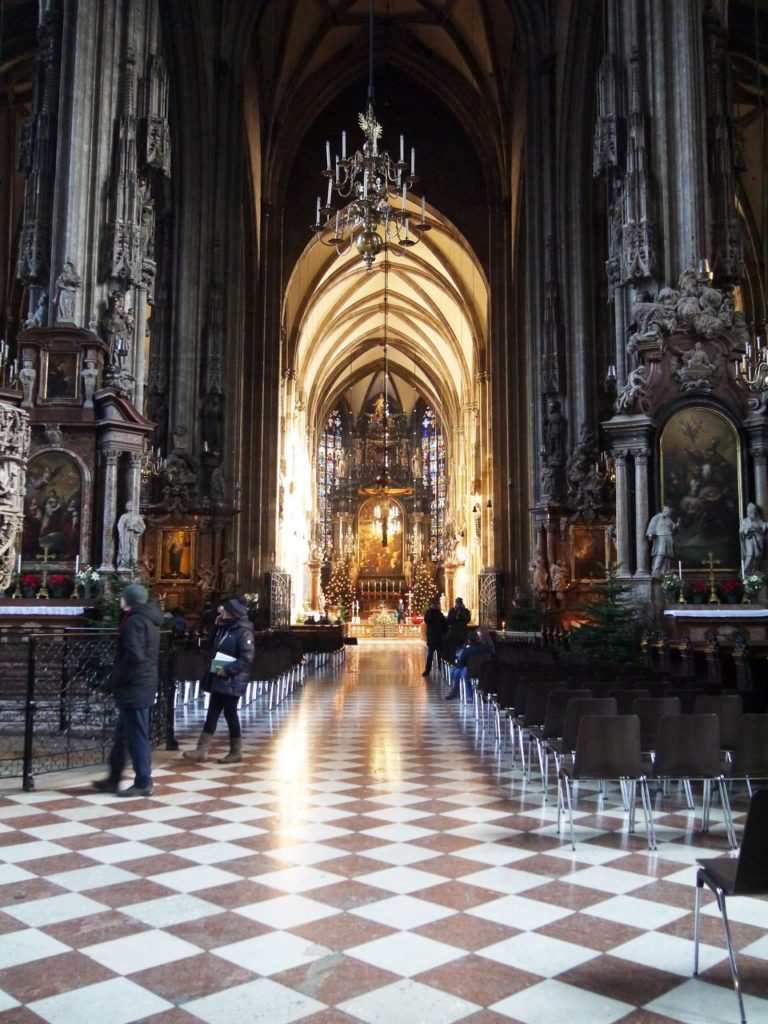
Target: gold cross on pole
45,557
709,563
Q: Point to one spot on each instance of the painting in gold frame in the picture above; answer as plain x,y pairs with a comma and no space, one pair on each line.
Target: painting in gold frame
589,552
176,554
374,558
700,468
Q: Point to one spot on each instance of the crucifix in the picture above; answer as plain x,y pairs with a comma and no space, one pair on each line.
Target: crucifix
709,563
46,557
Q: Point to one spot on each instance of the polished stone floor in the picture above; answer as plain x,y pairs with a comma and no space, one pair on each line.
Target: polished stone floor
373,859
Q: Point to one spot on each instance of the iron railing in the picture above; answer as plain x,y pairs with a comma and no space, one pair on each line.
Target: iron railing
53,714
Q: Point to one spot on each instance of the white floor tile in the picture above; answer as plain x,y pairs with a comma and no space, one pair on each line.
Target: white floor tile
171,910
407,1002
287,911
405,953
503,879
194,879
27,944
698,1002
401,879
519,912
118,1001
137,952
608,880
538,954
300,878
398,833
34,850
54,910
668,953
213,853
61,831
546,1003
639,913
82,879
256,1002
403,912
115,853
272,953
400,853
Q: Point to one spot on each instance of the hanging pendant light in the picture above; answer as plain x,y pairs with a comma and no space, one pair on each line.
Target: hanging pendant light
373,189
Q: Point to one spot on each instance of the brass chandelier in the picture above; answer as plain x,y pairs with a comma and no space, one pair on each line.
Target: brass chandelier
373,188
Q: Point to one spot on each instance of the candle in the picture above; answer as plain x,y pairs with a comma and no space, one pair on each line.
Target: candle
77,564
413,161
330,191
328,155
402,149
18,564
317,214
680,570
422,209
343,145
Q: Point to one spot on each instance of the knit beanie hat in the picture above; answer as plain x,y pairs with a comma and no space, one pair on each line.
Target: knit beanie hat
135,594
236,607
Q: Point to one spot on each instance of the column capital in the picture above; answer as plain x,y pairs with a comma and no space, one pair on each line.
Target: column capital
640,455
109,456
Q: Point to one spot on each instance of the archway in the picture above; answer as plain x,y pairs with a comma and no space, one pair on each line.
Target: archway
434,372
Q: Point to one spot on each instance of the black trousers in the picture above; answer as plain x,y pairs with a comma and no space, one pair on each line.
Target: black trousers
132,740
431,648
223,702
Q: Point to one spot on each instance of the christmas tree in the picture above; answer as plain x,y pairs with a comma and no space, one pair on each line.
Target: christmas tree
340,593
610,636
424,587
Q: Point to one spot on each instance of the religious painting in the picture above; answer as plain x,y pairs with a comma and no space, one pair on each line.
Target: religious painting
61,376
380,537
701,482
176,555
589,552
52,507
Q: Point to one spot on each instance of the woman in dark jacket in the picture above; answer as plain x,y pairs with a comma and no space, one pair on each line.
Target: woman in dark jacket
228,681
133,683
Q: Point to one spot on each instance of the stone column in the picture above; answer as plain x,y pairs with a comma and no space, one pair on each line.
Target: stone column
134,479
314,584
449,571
14,429
109,458
641,511
759,461
623,543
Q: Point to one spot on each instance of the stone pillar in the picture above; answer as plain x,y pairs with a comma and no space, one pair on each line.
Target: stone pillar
14,429
109,458
134,479
314,584
552,530
641,511
623,542
760,459
449,571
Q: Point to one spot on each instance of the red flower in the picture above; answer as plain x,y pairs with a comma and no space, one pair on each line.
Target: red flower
57,580
29,579
700,586
731,586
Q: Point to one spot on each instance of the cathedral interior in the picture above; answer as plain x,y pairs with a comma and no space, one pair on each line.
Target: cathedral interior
341,305
562,302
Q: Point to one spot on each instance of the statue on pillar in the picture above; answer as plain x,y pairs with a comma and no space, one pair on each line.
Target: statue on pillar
660,533
67,284
752,536
130,527
27,377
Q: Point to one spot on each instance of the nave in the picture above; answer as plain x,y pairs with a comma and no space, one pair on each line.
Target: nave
373,859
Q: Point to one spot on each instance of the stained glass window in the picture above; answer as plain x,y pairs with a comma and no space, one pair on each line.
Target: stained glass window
433,460
329,452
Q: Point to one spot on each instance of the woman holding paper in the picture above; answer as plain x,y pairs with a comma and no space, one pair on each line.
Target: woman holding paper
226,679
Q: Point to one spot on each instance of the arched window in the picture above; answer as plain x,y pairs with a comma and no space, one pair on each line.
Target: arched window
329,452
433,460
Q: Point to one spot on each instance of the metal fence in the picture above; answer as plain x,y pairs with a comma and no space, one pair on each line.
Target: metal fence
53,714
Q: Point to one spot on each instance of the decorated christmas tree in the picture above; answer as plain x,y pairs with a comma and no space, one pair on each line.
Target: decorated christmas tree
340,593
424,587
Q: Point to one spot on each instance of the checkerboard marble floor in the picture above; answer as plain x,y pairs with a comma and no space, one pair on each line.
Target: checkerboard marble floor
372,859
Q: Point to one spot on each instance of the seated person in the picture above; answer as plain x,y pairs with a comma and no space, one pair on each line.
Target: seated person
480,643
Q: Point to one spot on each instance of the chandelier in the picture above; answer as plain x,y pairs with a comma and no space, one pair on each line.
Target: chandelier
373,189
753,365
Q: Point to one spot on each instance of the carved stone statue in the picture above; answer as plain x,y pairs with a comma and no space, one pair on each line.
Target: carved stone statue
27,377
90,377
212,422
752,536
660,533
560,579
697,370
417,463
130,527
540,578
217,487
554,426
633,392
117,328
40,316
342,466
67,284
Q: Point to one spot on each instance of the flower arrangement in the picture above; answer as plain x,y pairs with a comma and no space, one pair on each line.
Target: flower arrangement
731,586
30,580
57,580
754,583
87,575
383,619
699,587
671,583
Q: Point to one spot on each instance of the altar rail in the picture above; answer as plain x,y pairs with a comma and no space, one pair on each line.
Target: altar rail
53,716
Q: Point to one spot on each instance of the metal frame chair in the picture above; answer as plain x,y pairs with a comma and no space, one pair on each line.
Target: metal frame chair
607,747
746,875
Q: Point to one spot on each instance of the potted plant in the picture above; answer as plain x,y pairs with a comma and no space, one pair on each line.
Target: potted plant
732,591
58,585
671,585
29,583
699,591
753,585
